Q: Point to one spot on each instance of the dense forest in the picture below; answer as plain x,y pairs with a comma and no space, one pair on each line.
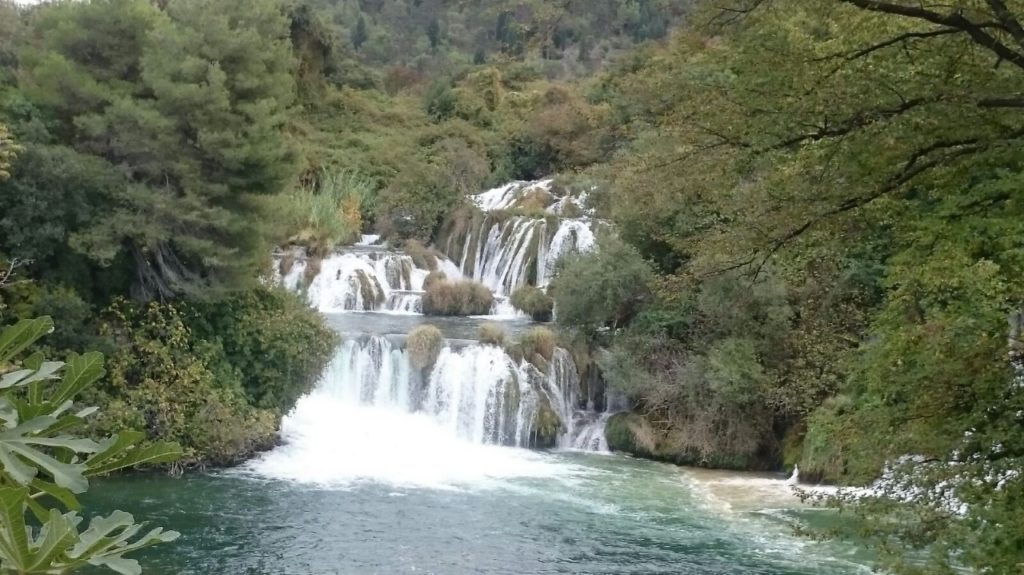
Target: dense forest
814,258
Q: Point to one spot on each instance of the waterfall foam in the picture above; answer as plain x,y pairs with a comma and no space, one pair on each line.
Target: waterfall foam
373,417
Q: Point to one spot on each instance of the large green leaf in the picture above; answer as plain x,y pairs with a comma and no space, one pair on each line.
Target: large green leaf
81,372
39,451
120,452
14,339
58,546
14,549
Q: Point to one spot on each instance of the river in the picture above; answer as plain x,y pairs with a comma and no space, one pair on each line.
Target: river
518,513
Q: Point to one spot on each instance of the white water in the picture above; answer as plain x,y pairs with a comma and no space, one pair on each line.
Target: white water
512,252
373,417
370,280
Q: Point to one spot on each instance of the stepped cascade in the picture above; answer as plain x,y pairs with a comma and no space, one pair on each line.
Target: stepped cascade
476,392
505,250
468,393
495,247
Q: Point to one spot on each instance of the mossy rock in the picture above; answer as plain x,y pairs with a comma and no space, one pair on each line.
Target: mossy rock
547,427
631,433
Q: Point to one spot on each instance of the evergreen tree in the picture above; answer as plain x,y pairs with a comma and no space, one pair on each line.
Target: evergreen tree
434,33
191,104
360,35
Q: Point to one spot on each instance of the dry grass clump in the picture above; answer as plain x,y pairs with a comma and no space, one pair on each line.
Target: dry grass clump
424,345
459,298
539,341
492,334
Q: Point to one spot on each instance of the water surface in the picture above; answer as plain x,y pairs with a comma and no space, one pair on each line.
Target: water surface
542,513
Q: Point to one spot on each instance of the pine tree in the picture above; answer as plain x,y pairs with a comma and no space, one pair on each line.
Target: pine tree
360,34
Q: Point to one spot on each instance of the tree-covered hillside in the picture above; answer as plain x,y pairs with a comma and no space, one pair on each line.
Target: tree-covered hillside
815,207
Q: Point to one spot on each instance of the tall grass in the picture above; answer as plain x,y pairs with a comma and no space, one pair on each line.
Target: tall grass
327,212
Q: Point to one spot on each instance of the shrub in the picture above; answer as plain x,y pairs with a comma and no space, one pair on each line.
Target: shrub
491,334
539,341
415,201
604,288
326,213
460,298
533,301
631,433
276,343
423,257
424,345
171,385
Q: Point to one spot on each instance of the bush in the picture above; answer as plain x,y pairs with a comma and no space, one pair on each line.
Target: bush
163,381
423,257
460,298
630,433
604,288
539,341
414,202
491,334
424,345
276,344
533,301
327,213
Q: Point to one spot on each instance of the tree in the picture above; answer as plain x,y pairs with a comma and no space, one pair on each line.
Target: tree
191,103
41,463
434,33
845,138
360,34
8,149
603,288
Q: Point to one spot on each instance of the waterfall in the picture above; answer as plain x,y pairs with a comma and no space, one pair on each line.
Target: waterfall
476,392
365,280
507,253
505,250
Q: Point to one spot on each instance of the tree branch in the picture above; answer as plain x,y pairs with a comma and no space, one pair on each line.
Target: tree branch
954,20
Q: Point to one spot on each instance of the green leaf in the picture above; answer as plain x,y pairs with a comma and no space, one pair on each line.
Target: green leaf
13,532
81,372
14,339
27,376
160,452
64,496
54,538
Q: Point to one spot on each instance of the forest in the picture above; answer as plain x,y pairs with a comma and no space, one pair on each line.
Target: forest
814,254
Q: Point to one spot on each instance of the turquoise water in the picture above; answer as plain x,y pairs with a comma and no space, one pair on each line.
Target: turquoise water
567,513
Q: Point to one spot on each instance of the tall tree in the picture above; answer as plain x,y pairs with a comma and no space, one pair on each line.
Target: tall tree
190,104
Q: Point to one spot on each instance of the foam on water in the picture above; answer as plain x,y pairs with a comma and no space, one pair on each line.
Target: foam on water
373,417
333,443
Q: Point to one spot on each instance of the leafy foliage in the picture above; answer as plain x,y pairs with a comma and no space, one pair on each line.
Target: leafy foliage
326,214
41,462
532,300
8,149
194,152
604,288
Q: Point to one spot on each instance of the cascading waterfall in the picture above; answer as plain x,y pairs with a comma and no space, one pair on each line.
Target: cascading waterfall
476,392
364,280
506,251
445,421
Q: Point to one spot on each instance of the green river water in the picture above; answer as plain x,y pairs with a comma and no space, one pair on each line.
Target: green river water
580,513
